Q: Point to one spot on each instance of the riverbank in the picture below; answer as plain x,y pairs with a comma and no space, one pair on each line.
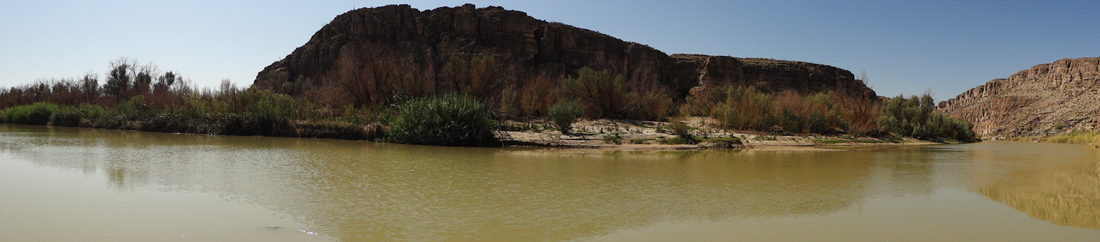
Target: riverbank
705,133
594,134
1074,137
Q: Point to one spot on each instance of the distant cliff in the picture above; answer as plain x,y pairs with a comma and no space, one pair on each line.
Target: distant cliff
531,47
1046,99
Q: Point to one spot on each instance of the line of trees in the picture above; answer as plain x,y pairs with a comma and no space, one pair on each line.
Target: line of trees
370,85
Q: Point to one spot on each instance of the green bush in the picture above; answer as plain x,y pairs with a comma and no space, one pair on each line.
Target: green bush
914,117
134,108
613,138
38,113
682,131
747,108
249,123
73,116
598,88
564,114
451,120
674,141
791,122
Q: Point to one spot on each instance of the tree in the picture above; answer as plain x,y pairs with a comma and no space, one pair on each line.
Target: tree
599,89
119,78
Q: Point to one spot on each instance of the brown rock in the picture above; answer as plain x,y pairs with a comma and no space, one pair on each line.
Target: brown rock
1046,99
537,47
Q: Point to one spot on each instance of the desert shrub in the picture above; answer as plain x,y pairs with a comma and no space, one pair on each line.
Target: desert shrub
167,122
746,108
790,121
536,96
249,123
914,117
564,113
605,93
480,76
649,104
682,131
134,108
449,120
752,108
73,116
37,113
333,130
817,123
613,138
704,103
674,141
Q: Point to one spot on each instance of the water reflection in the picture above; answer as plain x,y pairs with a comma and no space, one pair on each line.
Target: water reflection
361,191
1065,194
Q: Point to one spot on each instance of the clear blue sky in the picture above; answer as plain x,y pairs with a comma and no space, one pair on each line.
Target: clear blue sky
904,46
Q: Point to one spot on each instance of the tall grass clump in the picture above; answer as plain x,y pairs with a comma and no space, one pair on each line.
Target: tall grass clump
449,120
38,113
564,114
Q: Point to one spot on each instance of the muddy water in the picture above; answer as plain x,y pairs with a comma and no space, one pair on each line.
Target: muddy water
68,184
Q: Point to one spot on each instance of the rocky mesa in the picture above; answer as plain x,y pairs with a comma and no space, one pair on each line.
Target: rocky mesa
1046,99
527,47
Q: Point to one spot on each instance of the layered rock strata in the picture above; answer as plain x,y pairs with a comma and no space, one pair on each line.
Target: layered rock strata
1046,99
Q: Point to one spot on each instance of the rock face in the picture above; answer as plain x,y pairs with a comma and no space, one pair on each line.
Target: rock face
1046,99
537,47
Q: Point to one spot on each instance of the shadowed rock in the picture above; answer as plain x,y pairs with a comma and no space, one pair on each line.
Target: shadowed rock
535,47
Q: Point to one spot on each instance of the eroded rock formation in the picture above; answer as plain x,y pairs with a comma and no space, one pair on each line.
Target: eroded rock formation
1046,99
536,47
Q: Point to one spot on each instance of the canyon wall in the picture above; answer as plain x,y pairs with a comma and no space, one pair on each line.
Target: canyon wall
531,47
1046,99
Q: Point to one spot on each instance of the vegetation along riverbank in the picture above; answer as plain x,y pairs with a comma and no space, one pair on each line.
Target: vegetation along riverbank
137,97
506,80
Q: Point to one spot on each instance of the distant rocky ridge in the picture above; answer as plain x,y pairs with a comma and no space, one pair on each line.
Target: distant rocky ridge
1047,99
538,48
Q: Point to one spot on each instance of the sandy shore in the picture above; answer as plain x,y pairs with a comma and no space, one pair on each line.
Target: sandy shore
605,134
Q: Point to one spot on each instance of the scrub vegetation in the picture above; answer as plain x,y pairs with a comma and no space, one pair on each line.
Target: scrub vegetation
378,96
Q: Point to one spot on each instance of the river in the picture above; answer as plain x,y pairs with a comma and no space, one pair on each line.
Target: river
79,184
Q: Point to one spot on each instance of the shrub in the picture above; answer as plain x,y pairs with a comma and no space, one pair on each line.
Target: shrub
599,89
650,104
564,113
791,122
536,97
250,123
38,113
913,117
166,122
704,103
74,116
674,141
443,120
613,138
746,108
333,130
682,131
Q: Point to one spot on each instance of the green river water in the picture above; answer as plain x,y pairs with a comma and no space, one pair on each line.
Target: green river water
71,184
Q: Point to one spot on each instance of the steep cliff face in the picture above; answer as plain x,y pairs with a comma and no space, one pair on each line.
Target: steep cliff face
1046,99
534,46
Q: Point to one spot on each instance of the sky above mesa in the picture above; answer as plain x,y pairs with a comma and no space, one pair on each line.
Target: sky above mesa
905,47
